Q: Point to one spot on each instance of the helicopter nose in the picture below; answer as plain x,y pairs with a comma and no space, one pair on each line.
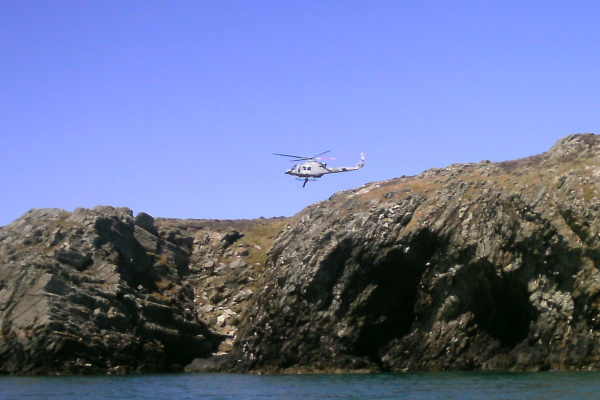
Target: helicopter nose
289,171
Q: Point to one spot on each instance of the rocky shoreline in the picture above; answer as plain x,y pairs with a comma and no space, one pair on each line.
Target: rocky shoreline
490,265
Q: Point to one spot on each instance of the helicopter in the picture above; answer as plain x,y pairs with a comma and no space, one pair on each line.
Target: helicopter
312,169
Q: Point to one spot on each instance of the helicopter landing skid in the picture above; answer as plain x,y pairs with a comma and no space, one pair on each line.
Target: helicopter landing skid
306,180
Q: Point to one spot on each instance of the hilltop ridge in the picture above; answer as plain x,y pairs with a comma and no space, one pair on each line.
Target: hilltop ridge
491,265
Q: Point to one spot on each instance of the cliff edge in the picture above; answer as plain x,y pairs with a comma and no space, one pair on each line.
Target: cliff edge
491,265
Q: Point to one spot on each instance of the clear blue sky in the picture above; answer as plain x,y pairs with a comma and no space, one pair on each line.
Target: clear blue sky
174,108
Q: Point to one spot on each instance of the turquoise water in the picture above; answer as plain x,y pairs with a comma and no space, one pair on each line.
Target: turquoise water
544,385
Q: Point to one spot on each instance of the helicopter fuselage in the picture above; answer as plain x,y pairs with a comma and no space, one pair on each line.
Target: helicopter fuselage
309,169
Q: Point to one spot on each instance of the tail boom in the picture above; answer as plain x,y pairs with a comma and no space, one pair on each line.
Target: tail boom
346,169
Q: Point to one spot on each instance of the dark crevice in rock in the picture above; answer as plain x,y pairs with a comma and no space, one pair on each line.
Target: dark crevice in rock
318,291
500,304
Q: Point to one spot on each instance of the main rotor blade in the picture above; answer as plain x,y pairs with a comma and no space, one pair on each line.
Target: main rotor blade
288,155
300,158
325,152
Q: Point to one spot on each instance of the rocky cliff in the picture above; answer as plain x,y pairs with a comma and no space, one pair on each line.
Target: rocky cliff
99,291
477,266
491,265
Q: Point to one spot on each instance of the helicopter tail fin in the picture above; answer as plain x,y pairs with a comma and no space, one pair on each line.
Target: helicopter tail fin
362,161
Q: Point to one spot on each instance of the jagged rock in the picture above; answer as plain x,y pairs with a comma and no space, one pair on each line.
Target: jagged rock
474,266
212,364
231,237
146,222
94,291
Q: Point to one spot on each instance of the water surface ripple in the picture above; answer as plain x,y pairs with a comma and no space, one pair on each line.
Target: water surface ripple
421,386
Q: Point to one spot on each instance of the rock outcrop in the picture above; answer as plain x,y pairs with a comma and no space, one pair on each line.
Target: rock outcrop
476,266
99,291
96,291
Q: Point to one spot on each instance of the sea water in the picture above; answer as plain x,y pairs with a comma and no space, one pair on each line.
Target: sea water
422,386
